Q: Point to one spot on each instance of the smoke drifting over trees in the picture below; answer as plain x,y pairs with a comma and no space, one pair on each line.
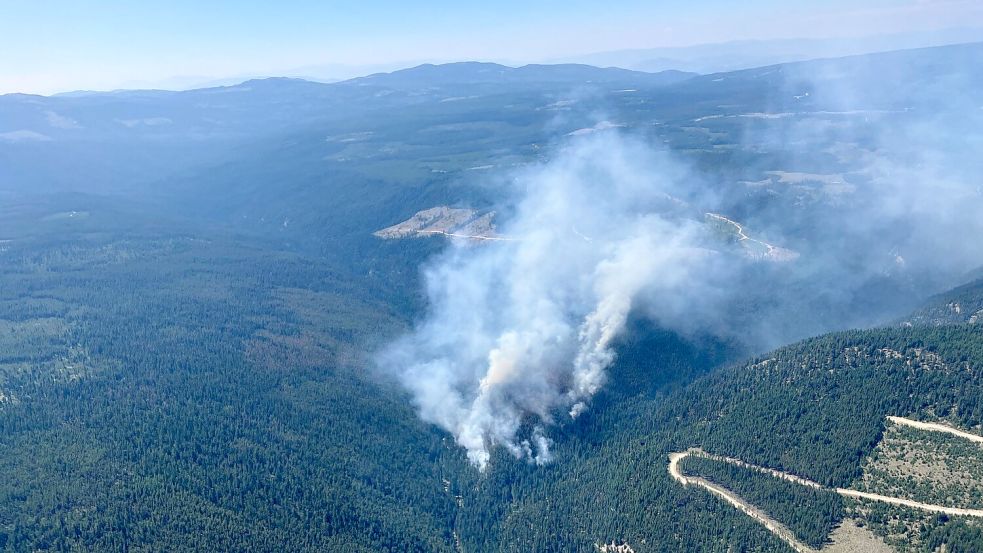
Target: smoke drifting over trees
879,193
520,333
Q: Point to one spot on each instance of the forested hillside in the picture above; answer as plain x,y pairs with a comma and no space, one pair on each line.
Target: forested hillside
193,305
814,409
180,400
961,305
175,393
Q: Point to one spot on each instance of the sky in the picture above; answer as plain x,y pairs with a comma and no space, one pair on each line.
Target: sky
49,46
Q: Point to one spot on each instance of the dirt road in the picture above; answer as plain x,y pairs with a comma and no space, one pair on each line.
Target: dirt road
781,530
771,524
936,427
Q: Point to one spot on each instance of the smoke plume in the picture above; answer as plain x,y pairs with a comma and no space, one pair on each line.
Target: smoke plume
875,187
520,332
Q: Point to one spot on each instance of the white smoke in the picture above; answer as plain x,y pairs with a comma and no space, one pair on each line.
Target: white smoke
875,185
520,332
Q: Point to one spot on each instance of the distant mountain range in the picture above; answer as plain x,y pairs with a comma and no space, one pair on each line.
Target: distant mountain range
429,75
743,54
700,58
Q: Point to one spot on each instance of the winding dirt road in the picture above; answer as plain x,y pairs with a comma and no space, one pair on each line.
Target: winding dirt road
741,235
771,524
781,530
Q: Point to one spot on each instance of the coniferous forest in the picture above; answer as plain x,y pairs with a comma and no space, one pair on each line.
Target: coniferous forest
193,314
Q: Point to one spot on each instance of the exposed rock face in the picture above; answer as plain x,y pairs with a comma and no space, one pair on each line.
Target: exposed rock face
960,305
445,221
613,547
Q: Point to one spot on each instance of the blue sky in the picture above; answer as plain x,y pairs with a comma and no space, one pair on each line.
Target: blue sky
56,45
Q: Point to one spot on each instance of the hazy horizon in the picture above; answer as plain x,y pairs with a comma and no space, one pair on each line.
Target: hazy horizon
66,47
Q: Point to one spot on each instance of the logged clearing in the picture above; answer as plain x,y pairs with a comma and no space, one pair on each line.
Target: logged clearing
928,462
850,538
445,221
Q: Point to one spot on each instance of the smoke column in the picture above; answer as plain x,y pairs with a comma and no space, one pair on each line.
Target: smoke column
868,168
520,333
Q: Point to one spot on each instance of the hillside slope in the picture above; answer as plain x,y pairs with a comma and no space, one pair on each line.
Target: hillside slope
192,295
816,409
